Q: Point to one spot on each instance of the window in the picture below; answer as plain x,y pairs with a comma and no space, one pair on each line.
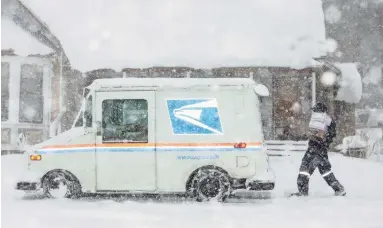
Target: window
5,136
88,112
85,92
32,136
4,91
125,120
31,94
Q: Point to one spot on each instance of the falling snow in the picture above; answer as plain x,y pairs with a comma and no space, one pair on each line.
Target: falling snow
106,34
332,14
30,112
303,51
328,78
332,45
94,45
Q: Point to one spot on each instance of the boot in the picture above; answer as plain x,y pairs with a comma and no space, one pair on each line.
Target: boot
340,193
335,185
303,185
298,194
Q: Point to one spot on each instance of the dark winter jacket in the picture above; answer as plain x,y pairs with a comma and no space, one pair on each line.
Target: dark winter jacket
331,133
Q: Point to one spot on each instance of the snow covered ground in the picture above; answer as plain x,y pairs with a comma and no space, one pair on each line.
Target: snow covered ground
363,206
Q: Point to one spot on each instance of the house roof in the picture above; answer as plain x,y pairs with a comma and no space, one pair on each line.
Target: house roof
14,37
26,20
193,33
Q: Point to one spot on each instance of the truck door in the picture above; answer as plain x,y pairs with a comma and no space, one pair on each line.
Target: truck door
125,151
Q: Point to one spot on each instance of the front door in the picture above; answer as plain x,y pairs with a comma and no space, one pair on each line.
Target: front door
125,152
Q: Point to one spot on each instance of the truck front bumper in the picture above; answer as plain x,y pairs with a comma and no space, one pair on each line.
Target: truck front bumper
29,182
261,182
28,186
260,186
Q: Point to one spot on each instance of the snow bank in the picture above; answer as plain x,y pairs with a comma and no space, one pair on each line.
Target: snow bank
13,37
354,141
350,84
196,33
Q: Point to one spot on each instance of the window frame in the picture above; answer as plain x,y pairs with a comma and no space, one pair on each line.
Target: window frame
119,126
80,120
88,112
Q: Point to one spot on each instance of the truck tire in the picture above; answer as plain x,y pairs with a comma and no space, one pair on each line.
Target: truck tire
58,184
210,184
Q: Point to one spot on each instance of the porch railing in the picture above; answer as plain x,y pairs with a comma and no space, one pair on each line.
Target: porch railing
283,147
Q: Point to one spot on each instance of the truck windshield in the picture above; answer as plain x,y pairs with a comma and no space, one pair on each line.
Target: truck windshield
79,121
88,112
85,106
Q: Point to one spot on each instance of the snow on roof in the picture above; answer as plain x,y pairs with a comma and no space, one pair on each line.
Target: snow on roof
351,83
195,33
168,82
13,37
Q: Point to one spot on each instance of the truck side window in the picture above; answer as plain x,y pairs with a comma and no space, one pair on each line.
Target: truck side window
88,112
125,120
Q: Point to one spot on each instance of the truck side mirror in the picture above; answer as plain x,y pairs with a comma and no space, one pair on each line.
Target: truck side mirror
261,90
21,140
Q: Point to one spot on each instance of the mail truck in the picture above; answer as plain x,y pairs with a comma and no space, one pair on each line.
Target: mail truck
199,137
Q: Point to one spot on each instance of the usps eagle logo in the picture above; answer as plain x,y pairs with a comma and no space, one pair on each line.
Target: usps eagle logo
195,117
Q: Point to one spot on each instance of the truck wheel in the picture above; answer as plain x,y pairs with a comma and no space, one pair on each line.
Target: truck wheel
59,185
211,185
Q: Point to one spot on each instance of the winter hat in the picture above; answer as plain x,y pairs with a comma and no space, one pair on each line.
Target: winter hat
319,107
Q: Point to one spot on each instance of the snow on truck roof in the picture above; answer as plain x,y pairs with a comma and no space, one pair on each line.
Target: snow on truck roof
168,82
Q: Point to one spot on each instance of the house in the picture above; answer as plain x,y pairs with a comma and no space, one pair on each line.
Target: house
32,97
27,100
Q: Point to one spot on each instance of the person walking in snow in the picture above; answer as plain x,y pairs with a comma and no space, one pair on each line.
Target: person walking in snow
322,130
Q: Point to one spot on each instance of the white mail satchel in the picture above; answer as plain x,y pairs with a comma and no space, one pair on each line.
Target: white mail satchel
318,125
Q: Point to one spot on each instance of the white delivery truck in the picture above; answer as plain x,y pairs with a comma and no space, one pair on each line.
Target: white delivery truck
202,137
